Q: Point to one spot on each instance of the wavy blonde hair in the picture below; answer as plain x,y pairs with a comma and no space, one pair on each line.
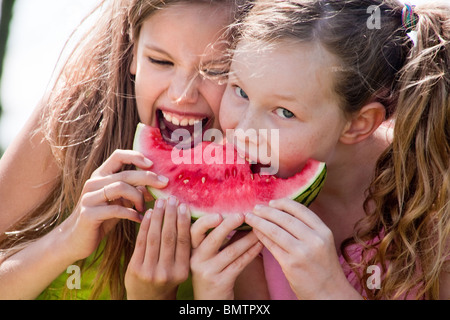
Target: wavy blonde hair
411,191
90,113
408,202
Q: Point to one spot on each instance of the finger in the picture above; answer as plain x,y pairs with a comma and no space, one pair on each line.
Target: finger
299,211
131,177
119,158
279,253
272,231
201,227
104,213
154,234
236,249
113,192
215,239
241,262
284,220
183,249
141,239
169,232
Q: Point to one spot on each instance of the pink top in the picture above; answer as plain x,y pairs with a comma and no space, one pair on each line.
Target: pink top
278,285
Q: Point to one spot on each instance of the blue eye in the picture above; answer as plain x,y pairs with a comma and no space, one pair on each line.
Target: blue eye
284,113
241,93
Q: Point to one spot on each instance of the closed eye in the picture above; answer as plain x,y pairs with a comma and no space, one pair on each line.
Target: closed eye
215,72
161,62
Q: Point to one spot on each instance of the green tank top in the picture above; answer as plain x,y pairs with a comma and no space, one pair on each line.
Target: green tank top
59,288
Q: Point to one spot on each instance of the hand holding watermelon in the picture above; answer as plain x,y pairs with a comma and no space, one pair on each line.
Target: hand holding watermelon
214,268
304,247
160,261
109,195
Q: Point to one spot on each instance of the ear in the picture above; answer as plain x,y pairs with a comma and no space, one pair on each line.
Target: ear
133,65
364,123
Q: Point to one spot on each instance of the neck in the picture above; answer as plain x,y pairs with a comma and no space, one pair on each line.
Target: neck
352,168
350,172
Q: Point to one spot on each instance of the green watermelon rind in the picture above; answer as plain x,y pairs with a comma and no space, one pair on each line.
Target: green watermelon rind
312,190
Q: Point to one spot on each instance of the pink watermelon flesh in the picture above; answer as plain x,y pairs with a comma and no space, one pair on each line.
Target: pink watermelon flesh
222,188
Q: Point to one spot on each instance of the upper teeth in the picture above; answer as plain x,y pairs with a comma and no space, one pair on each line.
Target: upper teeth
185,121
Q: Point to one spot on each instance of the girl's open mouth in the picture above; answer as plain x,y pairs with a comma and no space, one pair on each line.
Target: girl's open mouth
183,131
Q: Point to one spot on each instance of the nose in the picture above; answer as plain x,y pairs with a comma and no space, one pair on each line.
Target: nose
250,121
253,137
246,133
183,88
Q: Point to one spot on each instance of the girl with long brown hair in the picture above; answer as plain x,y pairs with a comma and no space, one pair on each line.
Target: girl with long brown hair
327,75
68,187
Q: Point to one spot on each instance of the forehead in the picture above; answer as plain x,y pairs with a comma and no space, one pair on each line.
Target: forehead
190,27
303,70
196,13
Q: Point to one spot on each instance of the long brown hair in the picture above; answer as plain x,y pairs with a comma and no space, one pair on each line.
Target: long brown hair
90,113
411,191
408,202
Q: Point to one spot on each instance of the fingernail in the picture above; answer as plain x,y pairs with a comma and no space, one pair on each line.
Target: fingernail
183,208
172,201
148,215
163,179
148,162
258,207
160,203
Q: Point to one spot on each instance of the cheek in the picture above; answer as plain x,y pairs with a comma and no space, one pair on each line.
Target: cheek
295,148
150,84
292,153
229,115
213,93
147,92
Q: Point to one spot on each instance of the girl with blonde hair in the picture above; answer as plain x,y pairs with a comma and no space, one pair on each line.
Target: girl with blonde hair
327,75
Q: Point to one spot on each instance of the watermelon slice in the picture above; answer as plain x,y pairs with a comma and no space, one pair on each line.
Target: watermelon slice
228,187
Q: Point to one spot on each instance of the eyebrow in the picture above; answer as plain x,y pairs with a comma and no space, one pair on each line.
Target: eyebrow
157,49
287,97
